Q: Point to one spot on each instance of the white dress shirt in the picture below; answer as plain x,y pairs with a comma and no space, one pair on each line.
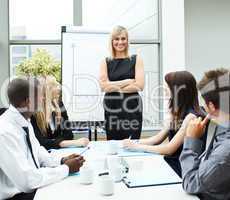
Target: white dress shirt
18,172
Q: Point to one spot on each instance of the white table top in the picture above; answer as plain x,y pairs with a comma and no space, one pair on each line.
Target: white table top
70,187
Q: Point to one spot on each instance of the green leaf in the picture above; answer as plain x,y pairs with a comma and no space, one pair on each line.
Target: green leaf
40,64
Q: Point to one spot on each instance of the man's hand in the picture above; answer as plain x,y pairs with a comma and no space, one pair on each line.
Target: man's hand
196,127
74,164
64,159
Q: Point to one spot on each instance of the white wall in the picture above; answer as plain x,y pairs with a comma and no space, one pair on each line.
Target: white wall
140,17
4,53
173,35
207,35
173,44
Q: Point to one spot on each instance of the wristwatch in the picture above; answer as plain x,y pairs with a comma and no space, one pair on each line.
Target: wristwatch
63,160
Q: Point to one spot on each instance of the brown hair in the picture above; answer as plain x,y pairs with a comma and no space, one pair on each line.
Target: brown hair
212,84
117,30
184,95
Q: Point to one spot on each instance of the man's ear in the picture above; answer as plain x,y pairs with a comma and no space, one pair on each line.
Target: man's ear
25,103
24,106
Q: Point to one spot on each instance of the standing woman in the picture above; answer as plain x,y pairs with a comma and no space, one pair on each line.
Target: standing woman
121,78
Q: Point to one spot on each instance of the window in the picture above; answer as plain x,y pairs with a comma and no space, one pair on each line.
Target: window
37,24
39,20
141,18
21,52
150,95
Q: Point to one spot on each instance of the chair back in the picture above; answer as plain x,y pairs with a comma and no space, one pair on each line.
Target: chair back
2,110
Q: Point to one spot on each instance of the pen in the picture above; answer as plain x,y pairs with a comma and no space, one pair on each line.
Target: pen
102,174
85,150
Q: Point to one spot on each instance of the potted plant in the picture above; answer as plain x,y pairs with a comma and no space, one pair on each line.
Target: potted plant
40,64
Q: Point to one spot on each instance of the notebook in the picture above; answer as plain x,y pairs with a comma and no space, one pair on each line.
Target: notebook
149,180
152,171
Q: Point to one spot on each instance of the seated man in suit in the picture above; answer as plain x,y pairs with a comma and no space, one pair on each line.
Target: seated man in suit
24,164
207,174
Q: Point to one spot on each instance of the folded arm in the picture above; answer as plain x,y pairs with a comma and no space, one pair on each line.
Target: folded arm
138,83
111,86
126,85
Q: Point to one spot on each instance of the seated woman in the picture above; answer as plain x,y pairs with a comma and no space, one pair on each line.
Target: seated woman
183,106
51,125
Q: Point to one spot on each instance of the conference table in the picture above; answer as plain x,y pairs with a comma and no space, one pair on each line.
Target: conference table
71,188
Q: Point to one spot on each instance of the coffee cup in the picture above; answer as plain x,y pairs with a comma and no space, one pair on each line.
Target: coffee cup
117,173
112,148
86,175
106,185
113,161
99,164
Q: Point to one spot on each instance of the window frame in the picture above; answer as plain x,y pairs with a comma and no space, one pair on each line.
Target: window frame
77,21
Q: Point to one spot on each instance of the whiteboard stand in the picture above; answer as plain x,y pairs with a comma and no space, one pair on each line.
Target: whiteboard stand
82,50
88,126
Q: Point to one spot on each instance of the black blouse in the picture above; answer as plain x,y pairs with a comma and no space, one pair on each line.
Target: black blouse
53,138
121,68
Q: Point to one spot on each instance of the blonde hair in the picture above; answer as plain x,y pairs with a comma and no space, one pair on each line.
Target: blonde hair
49,105
117,30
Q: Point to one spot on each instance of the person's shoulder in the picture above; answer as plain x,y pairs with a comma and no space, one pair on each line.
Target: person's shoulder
4,118
61,105
187,119
133,56
136,58
194,112
190,116
2,125
7,125
33,120
133,59
223,149
224,130
106,61
2,110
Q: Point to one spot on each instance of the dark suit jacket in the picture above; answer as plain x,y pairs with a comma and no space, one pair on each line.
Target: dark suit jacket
53,139
2,110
